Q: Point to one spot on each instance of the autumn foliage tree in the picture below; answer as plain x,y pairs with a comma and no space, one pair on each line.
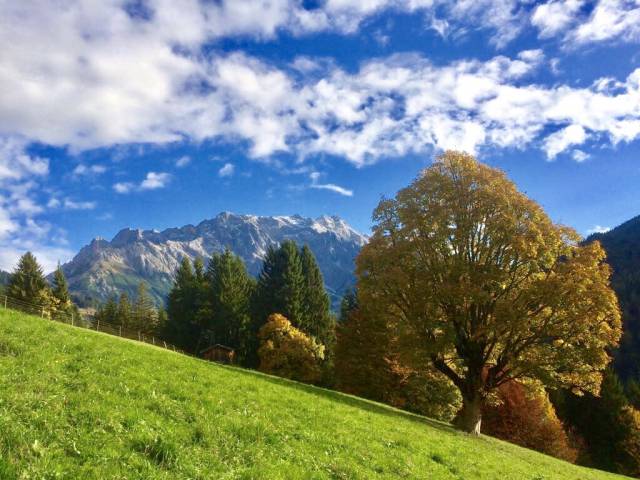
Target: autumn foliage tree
523,414
287,352
485,285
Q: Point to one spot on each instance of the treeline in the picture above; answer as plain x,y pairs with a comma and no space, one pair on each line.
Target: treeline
223,304
27,284
139,314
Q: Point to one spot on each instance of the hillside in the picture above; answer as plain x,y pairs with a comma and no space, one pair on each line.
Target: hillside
622,245
106,267
81,404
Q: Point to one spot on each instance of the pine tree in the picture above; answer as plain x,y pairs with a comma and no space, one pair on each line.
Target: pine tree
280,286
27,282
123,315
606,423
228,301
143,313
317,320
61,302
108,312
183,306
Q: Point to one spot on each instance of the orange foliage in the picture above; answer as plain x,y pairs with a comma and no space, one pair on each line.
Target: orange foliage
527,418
287,352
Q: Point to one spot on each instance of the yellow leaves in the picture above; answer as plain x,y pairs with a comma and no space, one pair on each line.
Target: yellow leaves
288,352
461,255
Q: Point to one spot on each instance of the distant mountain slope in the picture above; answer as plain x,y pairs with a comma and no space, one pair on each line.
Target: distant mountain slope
622,245
103,268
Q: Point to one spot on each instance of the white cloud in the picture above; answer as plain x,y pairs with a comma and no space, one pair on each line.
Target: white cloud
315,176
580,156
183,161
87,86
609,20
152,181
155,180
20,189
123,187
562,139
598,229
555,16
227,170
88,170
69,204
73,205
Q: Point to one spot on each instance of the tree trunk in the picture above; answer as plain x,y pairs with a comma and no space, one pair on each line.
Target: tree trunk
469,418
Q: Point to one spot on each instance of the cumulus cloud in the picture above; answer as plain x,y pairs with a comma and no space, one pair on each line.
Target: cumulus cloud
562,139
227,170
555,16
99,93
155,180
152,181
21,229
607,20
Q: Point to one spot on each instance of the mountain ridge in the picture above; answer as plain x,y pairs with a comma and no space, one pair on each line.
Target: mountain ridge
103,268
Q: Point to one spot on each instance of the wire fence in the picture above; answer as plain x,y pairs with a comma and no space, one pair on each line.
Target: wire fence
84,321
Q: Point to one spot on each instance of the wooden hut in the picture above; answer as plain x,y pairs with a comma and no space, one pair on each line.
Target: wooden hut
219,353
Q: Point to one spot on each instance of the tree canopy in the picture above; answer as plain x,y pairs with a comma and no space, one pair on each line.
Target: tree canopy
477,278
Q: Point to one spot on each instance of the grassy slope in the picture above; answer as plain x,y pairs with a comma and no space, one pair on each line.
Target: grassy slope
78,404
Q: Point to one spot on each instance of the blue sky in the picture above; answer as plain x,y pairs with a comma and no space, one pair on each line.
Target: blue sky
160,113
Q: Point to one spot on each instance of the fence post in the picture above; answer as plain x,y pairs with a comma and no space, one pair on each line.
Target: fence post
139,339
72,319
120,333
98,326
5,302
42,313
153,340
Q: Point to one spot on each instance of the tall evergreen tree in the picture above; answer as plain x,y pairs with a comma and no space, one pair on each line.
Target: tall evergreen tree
108,312
123,315
60,288
317,318
183,305
606,423
280,287
228,301
143,313
27,282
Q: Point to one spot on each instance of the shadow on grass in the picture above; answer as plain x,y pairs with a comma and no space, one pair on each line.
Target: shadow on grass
347,399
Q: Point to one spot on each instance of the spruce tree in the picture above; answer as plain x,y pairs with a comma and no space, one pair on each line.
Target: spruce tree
27,282
317,319
280,286
108,312
183,305
60,290
123,315
228,301
143,312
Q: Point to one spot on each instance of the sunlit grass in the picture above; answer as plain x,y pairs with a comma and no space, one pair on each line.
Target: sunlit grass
76,404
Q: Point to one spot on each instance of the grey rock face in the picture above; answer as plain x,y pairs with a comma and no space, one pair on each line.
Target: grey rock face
104,268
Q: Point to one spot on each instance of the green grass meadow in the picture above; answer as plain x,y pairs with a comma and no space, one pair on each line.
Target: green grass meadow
76,404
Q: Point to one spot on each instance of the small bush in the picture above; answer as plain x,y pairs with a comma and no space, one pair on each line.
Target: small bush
287,352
